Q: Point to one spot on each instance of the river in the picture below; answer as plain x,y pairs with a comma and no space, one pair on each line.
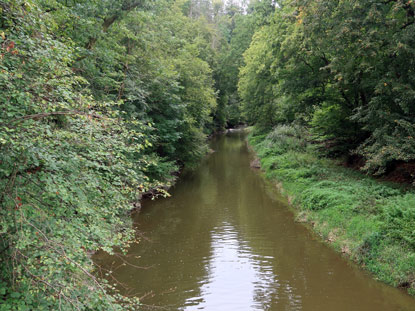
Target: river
226,240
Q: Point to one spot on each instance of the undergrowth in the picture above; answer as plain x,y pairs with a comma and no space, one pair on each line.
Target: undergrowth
371,221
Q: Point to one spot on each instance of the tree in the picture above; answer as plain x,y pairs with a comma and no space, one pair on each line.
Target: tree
342,68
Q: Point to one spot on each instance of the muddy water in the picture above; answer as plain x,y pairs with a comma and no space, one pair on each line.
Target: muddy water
226,241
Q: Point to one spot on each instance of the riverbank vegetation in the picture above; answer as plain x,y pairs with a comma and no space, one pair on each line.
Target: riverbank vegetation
370,221
342,69
332,82
101,102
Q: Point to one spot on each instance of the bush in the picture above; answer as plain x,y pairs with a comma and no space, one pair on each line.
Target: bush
285,138
399,219
317,198
388,145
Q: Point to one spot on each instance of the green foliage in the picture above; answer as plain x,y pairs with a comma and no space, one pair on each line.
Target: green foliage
331,126
161,78
255,86
101,102
369,220
70,168
238,28
388,144
322,196
399,220
344,68
286,138
330,121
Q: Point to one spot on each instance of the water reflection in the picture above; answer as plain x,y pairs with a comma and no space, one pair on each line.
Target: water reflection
226,241
235,278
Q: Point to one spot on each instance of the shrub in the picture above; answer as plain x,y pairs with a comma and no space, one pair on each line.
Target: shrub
399,219
317,198
285,138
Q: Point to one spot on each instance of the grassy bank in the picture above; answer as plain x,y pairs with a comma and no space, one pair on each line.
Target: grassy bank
371,221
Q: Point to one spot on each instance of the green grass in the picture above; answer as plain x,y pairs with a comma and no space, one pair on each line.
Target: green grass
371,221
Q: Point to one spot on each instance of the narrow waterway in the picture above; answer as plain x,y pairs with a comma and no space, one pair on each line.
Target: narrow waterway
227,241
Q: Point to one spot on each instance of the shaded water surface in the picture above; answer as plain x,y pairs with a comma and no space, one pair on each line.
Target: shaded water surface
226,241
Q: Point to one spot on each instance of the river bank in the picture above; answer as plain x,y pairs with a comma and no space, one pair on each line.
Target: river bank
370,221
226,240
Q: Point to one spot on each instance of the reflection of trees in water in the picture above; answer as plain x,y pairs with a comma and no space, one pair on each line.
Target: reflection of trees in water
224,213
178,231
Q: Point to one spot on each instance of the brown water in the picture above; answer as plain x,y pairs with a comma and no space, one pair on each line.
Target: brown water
226,241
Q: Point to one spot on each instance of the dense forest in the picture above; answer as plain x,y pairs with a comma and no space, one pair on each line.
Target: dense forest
345,69
104,101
